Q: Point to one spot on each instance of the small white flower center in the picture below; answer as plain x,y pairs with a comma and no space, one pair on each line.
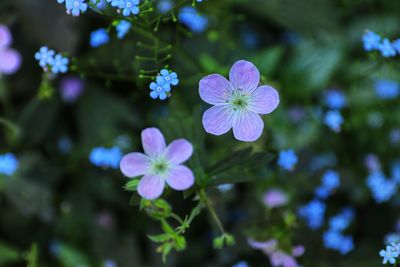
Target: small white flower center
160,166
239,100
128,4
167,78
76,3
159,89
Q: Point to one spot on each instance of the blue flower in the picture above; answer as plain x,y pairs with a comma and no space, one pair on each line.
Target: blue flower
159,89
322,192
164,6
189,17
170,78
333,119
332,239
387,89
335,99
396,45
381,188
8,164
339,222
287,159
130,7
59,64
102,4
371,41
241,263
123,28
75,7
314,213
106,157
99,37
386,48
389,255
347,245
44,56
330,180
396,171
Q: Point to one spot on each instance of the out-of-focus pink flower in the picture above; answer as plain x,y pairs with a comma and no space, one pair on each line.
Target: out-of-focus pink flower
10,59
275,198
71,88
266,246
281,259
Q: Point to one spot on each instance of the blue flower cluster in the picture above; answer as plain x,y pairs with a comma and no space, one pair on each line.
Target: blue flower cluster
330,181
335,100
334,120
313,213
390,254
162,86
373,42
287,159
76,7
192,19
8,164
334,238
49,60
387,89
382,188
106,157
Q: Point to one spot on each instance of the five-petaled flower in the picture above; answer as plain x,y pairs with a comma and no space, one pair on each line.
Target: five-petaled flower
389,255
159,165
238,102
59,64
44,56
159,89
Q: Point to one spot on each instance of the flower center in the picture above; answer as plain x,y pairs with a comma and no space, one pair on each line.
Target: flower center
167,78
76,3
160,166
128,4
159,89
239,100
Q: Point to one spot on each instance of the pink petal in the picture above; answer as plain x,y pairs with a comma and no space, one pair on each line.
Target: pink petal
10,61
153,141
151,186
244,75
179,151
248,126
264,100
215,89
5,36
134,164
218,119
180,177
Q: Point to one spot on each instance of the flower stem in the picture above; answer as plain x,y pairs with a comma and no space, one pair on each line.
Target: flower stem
208,204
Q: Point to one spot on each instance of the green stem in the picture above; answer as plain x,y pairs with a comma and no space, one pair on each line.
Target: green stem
208,204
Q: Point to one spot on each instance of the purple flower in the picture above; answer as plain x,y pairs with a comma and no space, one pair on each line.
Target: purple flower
5,37
267,247
159,164
238,102
71,88
10,61
275,198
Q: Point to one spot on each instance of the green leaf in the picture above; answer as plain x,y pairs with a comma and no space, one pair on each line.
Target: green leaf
267,60
159,209
32,257
167,228
160,238
180,243
8,254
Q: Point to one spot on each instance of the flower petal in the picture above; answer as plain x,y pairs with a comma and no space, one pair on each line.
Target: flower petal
10,61
180,177
248,126
151,186
134,164
218,120
264,100
244,75
153,141
179,151
214,89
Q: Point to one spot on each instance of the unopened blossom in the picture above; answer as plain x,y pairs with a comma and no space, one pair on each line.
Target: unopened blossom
237,103
159,164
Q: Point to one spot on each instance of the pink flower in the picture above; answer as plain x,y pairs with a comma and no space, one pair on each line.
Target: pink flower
267,247
275,198
237,102
10,59
159,165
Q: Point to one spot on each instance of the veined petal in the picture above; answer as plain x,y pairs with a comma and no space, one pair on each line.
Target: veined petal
244,76
180,177
218,119
215,89
247,126
134,164
153,141
151,186
264,100
179,151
